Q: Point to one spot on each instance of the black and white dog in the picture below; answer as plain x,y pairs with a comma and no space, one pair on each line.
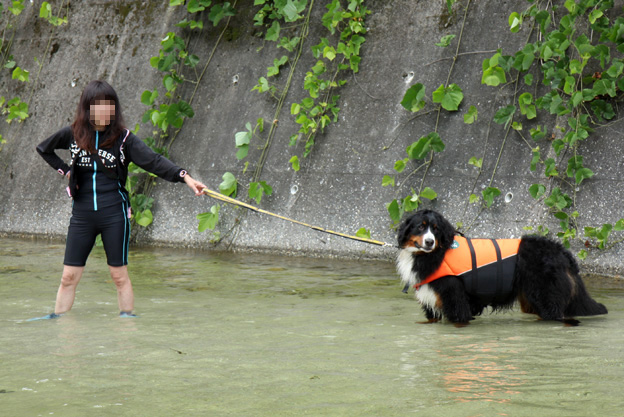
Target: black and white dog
457,278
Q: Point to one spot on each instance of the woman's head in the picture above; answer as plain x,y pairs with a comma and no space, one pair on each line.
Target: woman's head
98,109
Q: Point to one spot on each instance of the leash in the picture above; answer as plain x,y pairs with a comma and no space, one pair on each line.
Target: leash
226,199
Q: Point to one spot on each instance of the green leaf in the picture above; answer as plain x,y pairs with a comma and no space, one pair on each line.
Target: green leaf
289,44
17,110
148,97
329,52
387,180
229,185
16,8
291,12
243,138
194,6
476,162
616,69
557,199
294,161
537,133
242,152
604,87
449,5
259,189
20,74
363,233
493,74
489,194
595,15
411,203
449,97
400,165
273,32
536,158
219,11
515,21
185,109
209,220
429,194
277,63
602,109
45,11
169,82
354,62
551,168
424,145
394,211
413,98
526,105
445,41
191,60
471,116
505,115
242,142
144,218
582,174
537,191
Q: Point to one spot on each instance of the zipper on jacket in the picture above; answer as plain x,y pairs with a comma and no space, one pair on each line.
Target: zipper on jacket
95,171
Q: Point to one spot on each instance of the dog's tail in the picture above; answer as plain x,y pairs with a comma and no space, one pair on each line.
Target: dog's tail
581,303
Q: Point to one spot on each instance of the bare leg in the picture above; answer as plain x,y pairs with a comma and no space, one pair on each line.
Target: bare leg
125,295
67,290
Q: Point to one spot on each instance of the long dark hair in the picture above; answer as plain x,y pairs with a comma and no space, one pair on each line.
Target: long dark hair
84,129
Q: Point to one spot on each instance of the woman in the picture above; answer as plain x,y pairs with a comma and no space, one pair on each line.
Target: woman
101,149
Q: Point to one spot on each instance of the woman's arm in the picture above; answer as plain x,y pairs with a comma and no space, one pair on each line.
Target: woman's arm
60,140
141,154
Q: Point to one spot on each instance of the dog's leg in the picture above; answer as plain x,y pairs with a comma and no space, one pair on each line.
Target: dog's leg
455,304
432,317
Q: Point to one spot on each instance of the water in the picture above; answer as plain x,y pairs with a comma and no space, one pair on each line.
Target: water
242,335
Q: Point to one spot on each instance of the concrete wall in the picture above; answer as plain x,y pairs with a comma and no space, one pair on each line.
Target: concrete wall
339,185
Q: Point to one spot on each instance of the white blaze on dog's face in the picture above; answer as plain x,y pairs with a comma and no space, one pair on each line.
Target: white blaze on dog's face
424,241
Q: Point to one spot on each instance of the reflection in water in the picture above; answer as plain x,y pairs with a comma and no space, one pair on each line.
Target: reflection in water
480,372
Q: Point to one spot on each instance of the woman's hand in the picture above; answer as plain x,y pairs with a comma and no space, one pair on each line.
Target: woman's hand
196,186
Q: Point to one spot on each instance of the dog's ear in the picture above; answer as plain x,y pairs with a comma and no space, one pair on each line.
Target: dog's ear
404,228
447,232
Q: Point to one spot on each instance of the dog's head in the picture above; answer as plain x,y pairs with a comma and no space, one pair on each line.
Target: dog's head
425,231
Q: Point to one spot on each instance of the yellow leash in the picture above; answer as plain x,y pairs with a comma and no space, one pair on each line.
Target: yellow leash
226,199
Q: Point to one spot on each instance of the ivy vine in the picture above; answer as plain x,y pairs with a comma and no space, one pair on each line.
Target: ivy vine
168,111
14,108
336,55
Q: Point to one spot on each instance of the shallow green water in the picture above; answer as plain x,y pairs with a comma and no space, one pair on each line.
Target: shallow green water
239,335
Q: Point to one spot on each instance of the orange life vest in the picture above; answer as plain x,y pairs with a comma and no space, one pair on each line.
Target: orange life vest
485,265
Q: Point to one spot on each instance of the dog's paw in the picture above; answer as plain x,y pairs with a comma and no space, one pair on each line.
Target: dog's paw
461,324
428,321
569,322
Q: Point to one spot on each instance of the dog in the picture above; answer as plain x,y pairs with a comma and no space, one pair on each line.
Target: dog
538,273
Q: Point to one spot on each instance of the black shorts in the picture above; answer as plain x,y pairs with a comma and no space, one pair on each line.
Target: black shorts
112,223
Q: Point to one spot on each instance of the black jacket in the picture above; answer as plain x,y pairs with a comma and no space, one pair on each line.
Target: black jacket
128,148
